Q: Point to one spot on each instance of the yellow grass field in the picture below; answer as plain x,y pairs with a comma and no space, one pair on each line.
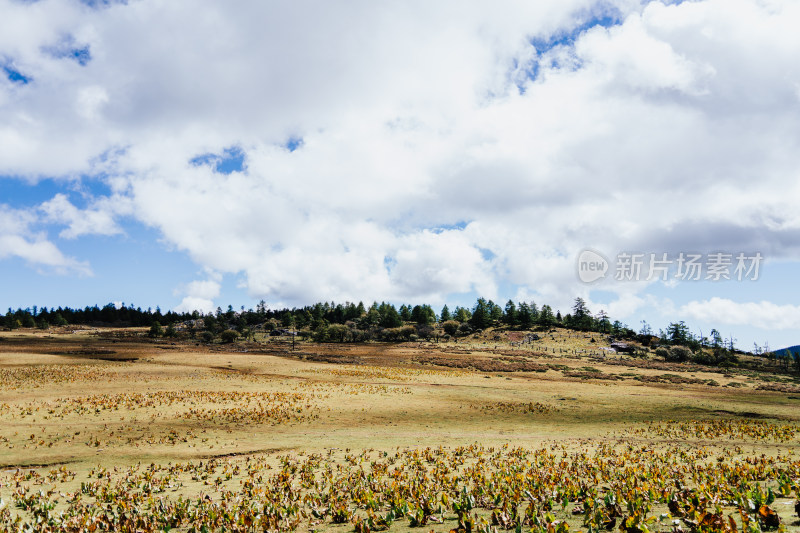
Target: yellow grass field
107,430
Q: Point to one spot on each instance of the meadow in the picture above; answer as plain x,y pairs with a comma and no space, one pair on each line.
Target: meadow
108,430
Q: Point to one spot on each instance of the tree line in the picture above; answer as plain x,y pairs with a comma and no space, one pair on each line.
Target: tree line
355,322
458,321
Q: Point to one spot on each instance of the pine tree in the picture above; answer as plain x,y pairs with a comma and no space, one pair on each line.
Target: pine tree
524,316
481,317
546,317
462,314
511,316
390,318
581,317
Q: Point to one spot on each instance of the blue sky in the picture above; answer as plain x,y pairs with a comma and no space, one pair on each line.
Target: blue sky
423,153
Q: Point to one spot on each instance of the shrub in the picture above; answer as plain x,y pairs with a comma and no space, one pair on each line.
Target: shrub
228,336
338,332
207,336
703,358
679,354
450,327
425,332
403,333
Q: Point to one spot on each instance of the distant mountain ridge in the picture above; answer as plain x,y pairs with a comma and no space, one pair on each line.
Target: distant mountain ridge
788,351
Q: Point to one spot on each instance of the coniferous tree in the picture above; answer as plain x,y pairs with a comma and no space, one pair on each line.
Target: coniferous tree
390,318
603,322
423,314
510,316
462,314
546,317
156,330
581,317
524,316
481,317
678,333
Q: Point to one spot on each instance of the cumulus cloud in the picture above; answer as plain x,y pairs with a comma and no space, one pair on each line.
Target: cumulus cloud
18,239
419,151
93,221
190,304
199,295
627,305
764,314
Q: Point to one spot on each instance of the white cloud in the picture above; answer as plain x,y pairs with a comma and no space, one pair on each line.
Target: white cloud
93,221
199,294
670,131
90,101
189,304
624,308
17,239
764,314
203,289
630,55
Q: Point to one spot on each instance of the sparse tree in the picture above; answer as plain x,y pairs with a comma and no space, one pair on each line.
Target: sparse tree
716,339
731,344
603,322
678,333
156,330
581,317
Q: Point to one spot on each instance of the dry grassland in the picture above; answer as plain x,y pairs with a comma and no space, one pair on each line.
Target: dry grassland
103,430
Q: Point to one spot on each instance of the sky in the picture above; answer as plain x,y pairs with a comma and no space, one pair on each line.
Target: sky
190,155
